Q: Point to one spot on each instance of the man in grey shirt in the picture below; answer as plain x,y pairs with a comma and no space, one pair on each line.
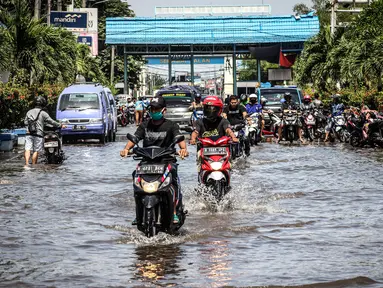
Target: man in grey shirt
35,141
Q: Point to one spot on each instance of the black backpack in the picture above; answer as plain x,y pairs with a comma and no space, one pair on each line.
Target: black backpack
32,127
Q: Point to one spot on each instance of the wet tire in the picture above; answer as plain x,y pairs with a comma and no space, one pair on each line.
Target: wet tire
218,190
110,136
291,135
114,137
311,134
355,140
123,122
51,158
151,229
102,139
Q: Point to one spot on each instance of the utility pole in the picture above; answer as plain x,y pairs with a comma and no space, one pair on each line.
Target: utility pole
335,10
112,65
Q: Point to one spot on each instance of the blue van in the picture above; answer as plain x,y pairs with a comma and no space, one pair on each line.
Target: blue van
85,110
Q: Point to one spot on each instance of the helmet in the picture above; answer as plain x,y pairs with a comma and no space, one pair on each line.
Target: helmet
252,96
287,96
263,101
243,98
197,97
307,98
40,101
212,108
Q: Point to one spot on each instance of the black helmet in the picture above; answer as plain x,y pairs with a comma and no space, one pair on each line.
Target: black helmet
243,98
40,101
287,96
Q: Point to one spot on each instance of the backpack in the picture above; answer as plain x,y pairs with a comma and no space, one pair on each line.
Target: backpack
32,127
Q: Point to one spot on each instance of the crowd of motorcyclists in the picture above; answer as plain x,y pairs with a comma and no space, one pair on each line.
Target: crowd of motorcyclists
134,111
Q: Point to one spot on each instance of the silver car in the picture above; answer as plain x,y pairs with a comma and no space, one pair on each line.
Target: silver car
177,110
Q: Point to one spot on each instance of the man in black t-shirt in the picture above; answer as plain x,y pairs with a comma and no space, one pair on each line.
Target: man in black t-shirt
235,112
212,125
159,131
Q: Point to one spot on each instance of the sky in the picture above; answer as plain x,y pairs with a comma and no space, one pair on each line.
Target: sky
145,8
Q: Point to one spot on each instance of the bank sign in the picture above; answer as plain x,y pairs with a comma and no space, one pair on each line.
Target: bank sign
72,20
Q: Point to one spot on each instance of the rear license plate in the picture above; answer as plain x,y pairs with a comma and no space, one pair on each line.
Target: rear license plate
214,151
150,169
51,144
78,128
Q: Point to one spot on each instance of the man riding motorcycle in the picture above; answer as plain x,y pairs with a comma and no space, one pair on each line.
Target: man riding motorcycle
236,114
159,131
337,109
288,104
254,107
317,102
243,100
212,124
196,104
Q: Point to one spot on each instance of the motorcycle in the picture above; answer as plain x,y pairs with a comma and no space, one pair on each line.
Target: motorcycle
253,129
290,125
309,125
53,147
131,114
154,190
339,130
215,167
243,145
121,116
320,126
362,134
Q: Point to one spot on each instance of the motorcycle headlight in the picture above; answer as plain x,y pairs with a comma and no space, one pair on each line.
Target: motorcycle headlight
166,182
150,187
216,165
95,120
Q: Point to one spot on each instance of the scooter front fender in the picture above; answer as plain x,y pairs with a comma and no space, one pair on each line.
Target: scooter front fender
216,176
150,201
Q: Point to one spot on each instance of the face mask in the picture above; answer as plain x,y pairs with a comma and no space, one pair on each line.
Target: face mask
253,101
156,115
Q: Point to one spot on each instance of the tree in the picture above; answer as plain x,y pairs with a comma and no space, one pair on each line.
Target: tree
301,9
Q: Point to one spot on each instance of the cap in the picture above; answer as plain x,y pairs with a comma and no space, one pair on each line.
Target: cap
158,102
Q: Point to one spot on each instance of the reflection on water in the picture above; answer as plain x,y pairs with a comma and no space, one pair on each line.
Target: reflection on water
157,263
216,264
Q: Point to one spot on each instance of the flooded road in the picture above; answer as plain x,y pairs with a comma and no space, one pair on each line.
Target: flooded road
299,215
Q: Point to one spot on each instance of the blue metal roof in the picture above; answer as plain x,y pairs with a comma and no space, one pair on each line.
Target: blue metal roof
211,30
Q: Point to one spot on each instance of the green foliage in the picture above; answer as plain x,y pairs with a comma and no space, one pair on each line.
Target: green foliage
352,57
301,9
249,69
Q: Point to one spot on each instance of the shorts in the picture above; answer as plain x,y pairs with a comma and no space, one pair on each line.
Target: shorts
34,143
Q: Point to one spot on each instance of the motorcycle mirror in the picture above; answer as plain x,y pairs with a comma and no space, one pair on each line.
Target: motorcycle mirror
132,138
177,139
188,129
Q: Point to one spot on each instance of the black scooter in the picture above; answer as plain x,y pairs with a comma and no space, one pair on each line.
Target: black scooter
53,147
154,189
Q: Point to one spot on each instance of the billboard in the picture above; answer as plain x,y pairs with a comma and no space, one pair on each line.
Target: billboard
92,18
75,21
87,40
279,74
90,39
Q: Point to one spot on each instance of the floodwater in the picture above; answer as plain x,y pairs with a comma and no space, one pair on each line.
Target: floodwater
308,215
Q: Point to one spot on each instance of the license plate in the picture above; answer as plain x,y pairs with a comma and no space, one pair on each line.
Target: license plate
51,144
214,151
310,122
150,169
78,128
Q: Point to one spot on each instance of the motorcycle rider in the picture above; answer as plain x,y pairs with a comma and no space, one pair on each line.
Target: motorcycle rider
254,107
274,118
288,104
243,99
159,131
140,107
317,102
212,124
196,104
337,109
236,114
35,141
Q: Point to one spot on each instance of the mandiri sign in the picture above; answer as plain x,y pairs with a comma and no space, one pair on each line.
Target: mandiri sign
71,20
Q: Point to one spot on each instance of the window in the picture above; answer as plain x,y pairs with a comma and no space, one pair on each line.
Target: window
274,96
79,101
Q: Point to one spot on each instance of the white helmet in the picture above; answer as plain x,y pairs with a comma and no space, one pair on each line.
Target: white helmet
253,96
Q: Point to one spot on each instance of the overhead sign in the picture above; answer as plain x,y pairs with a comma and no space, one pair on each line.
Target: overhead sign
92,18
70,20
197,60
87,40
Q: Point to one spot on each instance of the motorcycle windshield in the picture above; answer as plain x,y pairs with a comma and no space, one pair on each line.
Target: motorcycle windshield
154,152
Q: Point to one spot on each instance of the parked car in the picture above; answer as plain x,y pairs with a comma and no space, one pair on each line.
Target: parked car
113,114
177,106
84,109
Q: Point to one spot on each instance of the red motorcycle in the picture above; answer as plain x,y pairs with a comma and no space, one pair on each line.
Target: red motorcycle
214,170
121,116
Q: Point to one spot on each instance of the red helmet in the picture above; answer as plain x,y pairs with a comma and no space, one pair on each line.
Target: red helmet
212,108
307,98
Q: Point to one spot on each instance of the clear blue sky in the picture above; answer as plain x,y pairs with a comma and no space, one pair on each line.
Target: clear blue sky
278,7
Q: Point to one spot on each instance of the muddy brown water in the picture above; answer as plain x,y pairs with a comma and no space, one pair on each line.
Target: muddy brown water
297,216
